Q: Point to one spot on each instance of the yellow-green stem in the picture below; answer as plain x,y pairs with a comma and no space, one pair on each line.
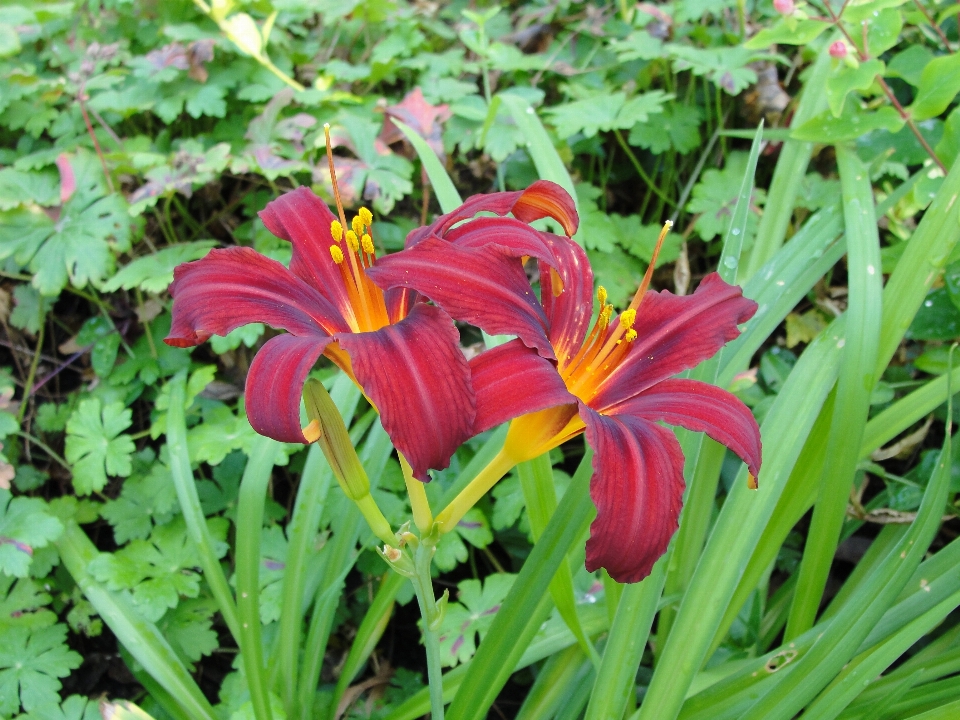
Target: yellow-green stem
422,515
375,519
471,494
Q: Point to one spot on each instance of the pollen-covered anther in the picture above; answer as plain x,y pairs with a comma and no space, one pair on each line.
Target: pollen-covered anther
605,314
357,225
353,242
336,230
336,253
630,335
366,217
312,432
366,242
627,318
602,296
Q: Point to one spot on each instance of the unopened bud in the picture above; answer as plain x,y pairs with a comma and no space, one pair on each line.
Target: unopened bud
838,50
334,440
784,7
391,553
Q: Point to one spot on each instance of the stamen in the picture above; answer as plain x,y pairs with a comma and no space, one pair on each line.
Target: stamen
627,318
602,296
366,217
352,241
336,231
367,243
333,175
336,253
648,276
357,225
631,335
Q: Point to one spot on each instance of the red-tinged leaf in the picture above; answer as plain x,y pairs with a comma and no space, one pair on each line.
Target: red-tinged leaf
419,380
511,380
566,292
637,486
275,384
540,200
423,117
485,287
237,286
303,219
676,333
699,407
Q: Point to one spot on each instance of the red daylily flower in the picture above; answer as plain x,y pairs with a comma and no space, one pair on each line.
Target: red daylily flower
615,382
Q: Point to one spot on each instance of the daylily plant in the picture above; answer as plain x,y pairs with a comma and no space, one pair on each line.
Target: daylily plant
557,380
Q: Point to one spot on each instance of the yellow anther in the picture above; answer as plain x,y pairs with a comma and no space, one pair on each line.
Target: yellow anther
602,295
336,253
312,432
357,225
630,335
366,217
353,242
627,318
366,242
336,230
605,314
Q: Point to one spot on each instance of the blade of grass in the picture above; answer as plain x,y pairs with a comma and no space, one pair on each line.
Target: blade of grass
550,691
141,638
250,504
190,505
443,187
854,386
944,712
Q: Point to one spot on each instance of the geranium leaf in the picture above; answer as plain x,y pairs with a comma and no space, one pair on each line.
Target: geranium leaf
25,525
95,446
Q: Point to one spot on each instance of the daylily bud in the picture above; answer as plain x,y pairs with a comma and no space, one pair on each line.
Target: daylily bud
784,7
838,50
335,442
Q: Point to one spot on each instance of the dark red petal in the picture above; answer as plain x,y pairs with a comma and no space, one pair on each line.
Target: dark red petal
700,407
515,238
676,333
637,486
275,384
419,380
481,286
568,307
512,380
237,286
303,219
542,199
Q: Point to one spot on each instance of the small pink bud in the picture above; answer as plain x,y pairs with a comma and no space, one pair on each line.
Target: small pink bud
784,7
838,50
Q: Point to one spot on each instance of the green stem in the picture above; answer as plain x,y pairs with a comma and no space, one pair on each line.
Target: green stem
268,64
432,617
640,171
31,373
43,446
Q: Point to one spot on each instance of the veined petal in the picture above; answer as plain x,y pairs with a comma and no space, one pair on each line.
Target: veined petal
515,238
676,333
568,304
637,486
485,287
237,286
419,380
540,200
511,380
303,219
275,384
700,407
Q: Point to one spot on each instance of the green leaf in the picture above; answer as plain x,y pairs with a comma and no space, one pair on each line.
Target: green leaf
22,604
75,707
605,112
939,85
620,273
25,525
715,197
31,308
909,64
9,40
153,273
851,124
95,446
847,79
678,127
22,188
144,500
937,319
883,31
788,31
30,664
189,628
471,616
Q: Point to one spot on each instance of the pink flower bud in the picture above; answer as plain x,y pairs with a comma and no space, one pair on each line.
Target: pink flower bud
838,50
784,7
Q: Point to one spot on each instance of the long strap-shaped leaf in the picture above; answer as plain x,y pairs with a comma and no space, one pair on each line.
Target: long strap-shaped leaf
446,193
250,504
142,638
190,505
502,646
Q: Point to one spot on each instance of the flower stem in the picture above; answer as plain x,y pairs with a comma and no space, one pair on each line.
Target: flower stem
432,617
471,494
422,515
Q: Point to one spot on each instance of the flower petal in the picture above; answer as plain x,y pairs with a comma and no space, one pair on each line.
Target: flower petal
303,219
485,287
637,486
676,333
566,295
515,238
700,407
540,200
275,384
511,380
419,380
237,286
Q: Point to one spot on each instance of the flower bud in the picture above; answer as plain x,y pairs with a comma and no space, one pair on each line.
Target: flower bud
784,7
838,50
335,442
